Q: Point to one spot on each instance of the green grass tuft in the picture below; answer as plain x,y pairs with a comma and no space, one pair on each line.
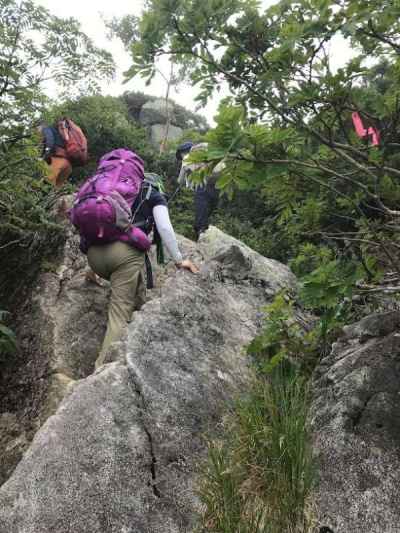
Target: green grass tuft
258,478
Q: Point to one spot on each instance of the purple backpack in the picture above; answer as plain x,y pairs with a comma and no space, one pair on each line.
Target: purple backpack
102,208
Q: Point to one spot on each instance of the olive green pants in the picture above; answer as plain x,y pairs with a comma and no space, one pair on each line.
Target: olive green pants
123,266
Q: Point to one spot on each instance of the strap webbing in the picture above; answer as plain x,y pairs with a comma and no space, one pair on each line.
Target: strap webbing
149,272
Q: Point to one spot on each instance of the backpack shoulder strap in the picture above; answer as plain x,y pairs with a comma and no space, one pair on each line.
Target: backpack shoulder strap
49,139
149,190
143,196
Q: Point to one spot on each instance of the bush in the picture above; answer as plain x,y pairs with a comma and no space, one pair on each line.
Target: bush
27,231
107,125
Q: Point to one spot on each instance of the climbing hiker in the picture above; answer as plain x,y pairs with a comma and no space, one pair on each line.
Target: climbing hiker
64,147
115,211
206,195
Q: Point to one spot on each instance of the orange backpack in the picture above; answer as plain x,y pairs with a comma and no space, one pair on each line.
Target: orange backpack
75,142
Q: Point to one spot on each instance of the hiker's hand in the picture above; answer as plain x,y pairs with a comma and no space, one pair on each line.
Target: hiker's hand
188,265
92,277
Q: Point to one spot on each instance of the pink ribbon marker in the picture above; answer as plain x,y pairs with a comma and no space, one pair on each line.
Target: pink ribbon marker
362,132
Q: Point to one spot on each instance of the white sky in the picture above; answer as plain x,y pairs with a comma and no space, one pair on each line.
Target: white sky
90,16
90,13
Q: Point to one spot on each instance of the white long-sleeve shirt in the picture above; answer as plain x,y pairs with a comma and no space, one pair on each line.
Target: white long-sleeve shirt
166,231
152,204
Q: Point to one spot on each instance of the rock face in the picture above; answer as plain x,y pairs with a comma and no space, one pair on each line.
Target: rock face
156,111
121,452
356,427
60,330
155,114
158,131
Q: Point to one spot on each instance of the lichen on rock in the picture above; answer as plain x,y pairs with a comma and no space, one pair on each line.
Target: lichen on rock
355,422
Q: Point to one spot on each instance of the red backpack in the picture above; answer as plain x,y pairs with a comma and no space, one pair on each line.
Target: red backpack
75,142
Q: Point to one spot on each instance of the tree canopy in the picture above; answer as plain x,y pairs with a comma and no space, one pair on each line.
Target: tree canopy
288,126
36,49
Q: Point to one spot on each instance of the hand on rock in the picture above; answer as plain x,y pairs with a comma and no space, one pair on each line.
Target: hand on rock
92,277
188,265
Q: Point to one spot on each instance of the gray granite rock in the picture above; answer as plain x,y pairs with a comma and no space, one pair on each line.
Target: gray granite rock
156,112
60,327
121,452
158,132
356,429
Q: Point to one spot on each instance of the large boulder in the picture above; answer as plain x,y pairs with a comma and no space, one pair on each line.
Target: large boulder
159,134
121,453
356,429
156,111
244,264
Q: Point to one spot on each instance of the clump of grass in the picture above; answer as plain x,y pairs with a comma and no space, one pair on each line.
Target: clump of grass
258,479
259,474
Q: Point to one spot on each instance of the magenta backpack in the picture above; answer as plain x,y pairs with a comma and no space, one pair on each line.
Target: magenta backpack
102,208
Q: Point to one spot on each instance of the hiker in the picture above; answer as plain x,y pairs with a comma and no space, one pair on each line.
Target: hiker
115,210
64,146
206,195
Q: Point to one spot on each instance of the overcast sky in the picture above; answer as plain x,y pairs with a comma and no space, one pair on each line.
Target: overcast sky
91,14
91,17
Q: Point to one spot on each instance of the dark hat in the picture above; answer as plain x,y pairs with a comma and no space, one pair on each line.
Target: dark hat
183,149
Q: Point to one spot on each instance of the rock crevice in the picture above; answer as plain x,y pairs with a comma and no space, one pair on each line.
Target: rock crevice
142,408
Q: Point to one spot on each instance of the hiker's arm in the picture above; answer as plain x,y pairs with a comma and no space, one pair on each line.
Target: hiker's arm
167,234
166,231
